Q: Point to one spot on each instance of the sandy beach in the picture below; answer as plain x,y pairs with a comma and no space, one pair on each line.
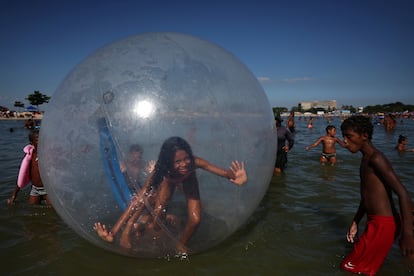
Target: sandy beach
35,117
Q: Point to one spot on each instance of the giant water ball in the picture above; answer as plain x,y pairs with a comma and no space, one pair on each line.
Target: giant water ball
140,91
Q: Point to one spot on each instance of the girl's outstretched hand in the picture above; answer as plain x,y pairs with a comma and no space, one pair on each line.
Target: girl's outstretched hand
102,232
240,176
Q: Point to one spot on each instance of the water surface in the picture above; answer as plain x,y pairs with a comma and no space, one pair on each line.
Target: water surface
298,229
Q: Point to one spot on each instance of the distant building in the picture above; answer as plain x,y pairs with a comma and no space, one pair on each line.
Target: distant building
326,105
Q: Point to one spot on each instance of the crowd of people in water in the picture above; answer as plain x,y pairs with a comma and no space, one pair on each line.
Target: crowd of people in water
384,222
175,169
286,136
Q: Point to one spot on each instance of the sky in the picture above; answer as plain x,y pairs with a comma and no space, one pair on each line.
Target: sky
357,52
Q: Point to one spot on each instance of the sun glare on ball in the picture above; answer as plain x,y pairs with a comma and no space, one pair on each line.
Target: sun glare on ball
144,109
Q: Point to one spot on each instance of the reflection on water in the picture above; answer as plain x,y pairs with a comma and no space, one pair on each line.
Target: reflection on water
299,226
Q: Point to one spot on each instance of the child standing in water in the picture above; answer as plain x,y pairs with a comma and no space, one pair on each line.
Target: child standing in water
328,142
310,124
290,123
38,192
285,142
378,181
175,168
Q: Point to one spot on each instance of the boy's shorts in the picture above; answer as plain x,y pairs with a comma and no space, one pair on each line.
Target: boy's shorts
372,247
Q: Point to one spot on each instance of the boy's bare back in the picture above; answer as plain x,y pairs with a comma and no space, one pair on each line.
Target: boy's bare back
376,194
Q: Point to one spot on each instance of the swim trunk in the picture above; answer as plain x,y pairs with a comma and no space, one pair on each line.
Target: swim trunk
372,247
37,191
281,160
328,155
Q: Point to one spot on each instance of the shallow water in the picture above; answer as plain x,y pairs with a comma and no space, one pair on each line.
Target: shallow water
298,228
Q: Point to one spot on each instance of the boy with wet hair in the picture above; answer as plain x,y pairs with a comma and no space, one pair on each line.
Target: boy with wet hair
328,142
378,181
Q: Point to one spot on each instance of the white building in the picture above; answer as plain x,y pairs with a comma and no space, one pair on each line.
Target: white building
327,105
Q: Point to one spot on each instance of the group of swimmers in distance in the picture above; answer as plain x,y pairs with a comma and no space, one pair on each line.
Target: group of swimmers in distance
286,140
378,181
328,141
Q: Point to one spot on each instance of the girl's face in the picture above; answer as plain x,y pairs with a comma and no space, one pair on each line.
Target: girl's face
182,162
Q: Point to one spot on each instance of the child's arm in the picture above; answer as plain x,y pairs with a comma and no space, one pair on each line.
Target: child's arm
14,195
340,142
150,167
122,166
291,141
136,205
236,173
353,229
317,142
240,175
134,209
164,193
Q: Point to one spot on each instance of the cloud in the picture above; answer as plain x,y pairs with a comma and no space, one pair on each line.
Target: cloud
296,80
264,79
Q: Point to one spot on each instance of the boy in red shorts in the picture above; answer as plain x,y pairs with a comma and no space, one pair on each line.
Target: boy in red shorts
378,181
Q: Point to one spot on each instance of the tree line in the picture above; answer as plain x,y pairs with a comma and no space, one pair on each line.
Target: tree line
397,107
36,98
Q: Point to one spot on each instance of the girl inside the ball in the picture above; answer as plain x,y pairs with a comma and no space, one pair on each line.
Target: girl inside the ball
147,211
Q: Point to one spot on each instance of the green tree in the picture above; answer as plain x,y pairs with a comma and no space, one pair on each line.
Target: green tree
350,108
277,110
37,98
389,108
295,109
18,104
